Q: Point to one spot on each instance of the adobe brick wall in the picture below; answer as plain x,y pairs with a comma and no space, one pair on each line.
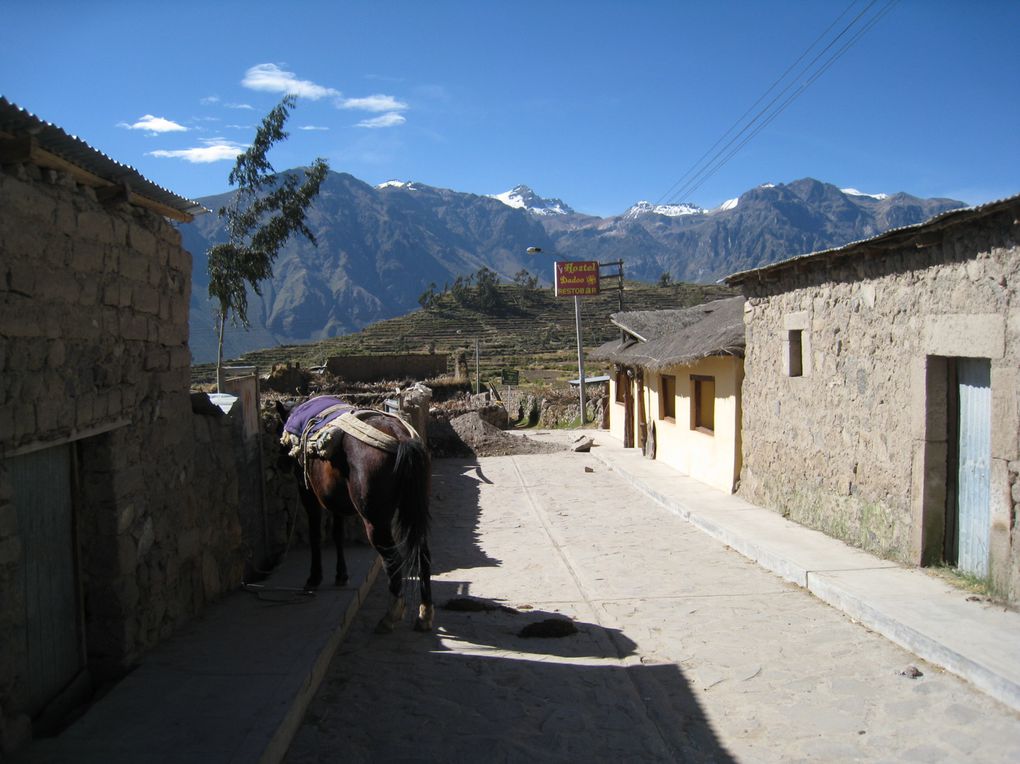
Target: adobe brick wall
845,448
94,350
372,368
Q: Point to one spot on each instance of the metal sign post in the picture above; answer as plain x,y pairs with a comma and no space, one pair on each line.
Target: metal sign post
580,353
577,279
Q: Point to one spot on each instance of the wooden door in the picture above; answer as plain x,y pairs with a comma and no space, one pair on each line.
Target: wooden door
642,425
47,575
624,379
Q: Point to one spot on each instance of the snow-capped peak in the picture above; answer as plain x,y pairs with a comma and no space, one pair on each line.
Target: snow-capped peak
855,192
729,204
667,210
522,197
408,184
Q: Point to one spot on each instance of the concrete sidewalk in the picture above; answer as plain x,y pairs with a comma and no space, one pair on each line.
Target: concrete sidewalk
976,640
233,685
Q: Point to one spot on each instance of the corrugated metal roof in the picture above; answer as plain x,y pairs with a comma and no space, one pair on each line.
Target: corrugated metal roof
17,121
942,220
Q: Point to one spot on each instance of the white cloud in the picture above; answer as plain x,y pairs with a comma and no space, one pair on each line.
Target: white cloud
247,106
373,103
155,125
386,120
208,100
271,78
312,127
215,150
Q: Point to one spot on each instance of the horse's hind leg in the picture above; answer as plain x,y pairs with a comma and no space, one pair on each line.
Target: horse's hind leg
393,564
314,512
338,540
425,610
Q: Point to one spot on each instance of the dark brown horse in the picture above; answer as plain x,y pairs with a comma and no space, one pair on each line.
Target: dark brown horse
387,484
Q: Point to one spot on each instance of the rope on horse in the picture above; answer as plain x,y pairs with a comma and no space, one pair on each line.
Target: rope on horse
307,431
352,423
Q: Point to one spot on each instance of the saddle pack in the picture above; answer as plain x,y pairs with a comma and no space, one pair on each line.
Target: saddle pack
314,428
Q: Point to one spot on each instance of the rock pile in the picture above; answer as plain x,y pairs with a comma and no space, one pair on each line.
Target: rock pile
470,433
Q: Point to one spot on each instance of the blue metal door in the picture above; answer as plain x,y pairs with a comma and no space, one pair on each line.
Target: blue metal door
975,456
47,575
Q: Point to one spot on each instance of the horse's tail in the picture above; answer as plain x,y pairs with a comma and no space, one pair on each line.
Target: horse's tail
412,475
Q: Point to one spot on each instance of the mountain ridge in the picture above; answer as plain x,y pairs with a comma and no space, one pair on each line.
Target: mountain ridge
380,247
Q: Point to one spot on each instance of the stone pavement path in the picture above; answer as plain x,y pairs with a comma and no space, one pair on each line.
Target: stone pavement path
686,651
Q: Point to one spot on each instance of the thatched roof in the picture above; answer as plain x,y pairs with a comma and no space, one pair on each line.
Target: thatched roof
656,339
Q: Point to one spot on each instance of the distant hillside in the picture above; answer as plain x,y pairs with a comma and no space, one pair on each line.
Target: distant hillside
761,226
381,247
378,250
531,329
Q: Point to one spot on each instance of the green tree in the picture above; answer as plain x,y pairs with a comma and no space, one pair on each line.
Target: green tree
265,211
526,284
429,299
461,289
524,279
487,285
665,279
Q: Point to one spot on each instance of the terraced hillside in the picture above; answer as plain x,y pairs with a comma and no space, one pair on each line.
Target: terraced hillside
529,329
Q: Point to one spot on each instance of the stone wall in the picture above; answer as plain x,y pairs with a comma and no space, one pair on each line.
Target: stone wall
849,447
372,368
93,352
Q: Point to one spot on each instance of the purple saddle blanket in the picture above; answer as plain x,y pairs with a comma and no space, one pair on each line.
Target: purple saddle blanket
312,408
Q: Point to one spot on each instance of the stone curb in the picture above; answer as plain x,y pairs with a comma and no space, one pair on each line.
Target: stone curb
277,747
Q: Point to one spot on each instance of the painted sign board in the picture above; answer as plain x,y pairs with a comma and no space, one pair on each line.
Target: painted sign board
511,377
577,279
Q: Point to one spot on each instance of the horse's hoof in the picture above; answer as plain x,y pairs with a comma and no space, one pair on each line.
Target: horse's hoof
393,616
311,585
341,580
424,620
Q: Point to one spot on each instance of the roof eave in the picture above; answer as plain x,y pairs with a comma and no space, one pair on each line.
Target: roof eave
26,138
885,240
627,329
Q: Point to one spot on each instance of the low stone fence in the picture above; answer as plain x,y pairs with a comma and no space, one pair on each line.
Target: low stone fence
372,368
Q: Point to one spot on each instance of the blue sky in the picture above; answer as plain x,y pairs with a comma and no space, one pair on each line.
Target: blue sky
598,103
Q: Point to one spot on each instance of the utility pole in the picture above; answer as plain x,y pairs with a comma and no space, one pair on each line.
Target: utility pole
618,264
580,352
577,318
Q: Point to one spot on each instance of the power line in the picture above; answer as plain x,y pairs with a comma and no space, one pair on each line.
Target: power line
702,170
704,173
760,99
782,107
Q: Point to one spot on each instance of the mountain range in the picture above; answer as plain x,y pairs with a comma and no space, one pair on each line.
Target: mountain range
380,247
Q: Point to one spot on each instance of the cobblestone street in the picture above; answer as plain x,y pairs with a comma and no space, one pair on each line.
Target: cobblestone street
685,650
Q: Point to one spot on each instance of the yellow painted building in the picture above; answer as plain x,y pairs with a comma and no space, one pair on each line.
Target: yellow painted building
675,390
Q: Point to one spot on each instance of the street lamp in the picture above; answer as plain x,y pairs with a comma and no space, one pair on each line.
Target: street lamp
580,346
